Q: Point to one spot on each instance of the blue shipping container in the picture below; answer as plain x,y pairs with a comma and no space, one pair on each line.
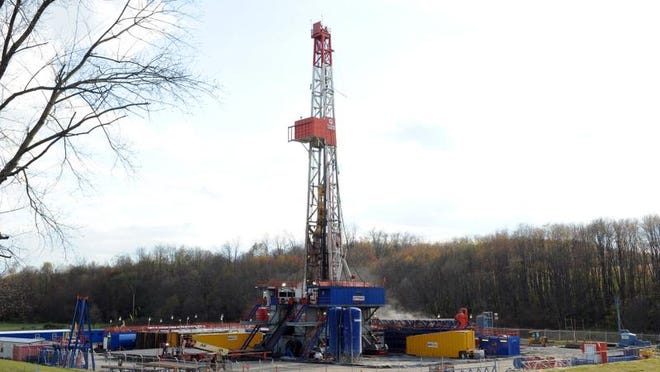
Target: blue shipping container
351,296
46,334
489,345
122,340
508,345
96,337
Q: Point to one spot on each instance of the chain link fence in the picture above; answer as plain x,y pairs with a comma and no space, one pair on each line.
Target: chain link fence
578,336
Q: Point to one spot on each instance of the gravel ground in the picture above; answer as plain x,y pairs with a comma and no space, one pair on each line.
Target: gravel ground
403,363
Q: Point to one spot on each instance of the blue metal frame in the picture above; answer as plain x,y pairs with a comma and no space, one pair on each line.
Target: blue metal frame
80,344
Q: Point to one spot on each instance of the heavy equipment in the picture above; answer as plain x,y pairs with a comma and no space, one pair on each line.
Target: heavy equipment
537,338
627,338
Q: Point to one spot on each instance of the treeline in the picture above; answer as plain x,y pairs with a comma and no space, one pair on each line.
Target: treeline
165,284
555,276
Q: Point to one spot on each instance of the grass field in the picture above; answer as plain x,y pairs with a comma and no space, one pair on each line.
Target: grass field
11,366
647,365
31,326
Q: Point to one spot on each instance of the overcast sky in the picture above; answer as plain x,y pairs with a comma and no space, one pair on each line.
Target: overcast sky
453,119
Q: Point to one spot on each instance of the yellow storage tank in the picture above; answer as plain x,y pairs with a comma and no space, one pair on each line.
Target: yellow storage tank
228,340
450,344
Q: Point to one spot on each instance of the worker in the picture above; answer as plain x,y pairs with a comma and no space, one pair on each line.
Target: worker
165,347
462,318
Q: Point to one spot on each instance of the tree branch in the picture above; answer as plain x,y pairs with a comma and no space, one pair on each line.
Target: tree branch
9,52
43,214
59,93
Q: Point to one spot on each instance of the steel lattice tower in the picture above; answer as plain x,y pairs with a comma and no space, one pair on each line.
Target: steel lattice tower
325,259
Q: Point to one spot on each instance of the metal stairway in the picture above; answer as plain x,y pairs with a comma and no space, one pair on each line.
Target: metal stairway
312,341
272,338
249,339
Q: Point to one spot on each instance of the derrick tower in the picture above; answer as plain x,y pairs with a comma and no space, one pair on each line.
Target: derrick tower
329,308
325,256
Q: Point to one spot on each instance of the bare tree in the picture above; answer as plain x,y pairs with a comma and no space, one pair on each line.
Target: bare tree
70,71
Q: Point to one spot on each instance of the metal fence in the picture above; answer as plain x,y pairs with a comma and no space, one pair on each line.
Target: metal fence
586,335
279,366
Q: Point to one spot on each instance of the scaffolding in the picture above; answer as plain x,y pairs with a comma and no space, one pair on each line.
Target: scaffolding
78,349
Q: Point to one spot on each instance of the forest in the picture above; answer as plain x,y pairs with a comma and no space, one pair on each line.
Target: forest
550,276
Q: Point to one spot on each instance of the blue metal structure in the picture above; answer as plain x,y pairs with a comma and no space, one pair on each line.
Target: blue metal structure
79,347
349,296
344,331
123,340
96,336
46,334
508,345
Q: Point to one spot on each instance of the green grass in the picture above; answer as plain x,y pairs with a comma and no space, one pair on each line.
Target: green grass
646,365
30,326
11,366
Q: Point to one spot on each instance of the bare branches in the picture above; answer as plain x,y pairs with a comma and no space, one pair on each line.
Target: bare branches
12,46
46,222
56,89
3,249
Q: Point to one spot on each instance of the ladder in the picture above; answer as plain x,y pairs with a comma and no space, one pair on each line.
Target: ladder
272,339
313,340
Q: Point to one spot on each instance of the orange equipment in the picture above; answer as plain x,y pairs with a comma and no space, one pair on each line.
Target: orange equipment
462,318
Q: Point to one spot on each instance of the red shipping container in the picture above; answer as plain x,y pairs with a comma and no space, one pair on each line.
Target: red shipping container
27,353
308,129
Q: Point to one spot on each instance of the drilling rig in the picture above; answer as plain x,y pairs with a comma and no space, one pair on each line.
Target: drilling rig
328,314
326,259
